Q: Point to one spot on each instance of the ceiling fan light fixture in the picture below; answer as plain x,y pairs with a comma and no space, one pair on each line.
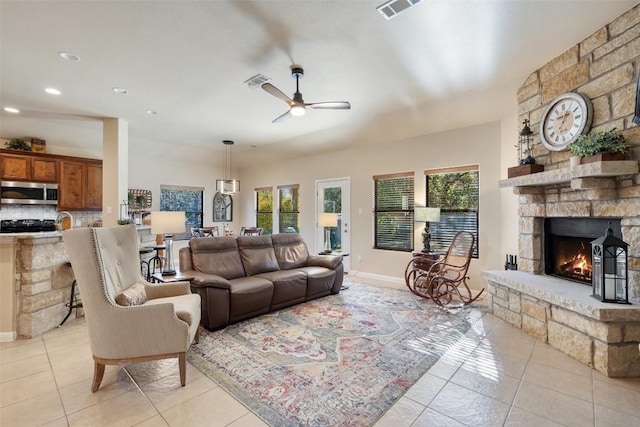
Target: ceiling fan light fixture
297,110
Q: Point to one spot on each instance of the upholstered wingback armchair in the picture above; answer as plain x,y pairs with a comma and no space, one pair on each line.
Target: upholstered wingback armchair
129,320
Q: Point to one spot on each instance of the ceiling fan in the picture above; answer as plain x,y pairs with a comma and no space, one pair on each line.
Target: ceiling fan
297,105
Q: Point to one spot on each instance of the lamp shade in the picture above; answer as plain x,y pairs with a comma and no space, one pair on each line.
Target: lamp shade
327,219
423,214
167,222
227,186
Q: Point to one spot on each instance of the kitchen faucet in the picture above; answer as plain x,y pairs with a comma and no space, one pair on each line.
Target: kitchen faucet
60,217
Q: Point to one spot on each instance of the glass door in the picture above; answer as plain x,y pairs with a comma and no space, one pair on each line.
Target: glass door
333,198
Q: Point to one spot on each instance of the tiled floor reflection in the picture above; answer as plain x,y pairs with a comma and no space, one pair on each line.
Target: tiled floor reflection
496,375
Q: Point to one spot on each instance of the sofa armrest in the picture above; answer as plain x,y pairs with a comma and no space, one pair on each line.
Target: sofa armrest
327,261
204,280
165,290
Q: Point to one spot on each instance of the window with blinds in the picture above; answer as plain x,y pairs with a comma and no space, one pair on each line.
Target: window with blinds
289,209
393,211
456,192
187,199
264,209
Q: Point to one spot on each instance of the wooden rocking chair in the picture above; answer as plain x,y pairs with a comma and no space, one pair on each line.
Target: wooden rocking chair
446,278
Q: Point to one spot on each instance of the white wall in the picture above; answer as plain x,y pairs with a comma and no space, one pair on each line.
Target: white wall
508,200
480,144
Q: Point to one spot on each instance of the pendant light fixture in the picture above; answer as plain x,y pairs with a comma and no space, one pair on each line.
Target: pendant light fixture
228,185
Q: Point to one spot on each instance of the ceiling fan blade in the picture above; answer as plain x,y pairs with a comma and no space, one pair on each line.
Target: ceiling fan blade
276,92
282,118
338,105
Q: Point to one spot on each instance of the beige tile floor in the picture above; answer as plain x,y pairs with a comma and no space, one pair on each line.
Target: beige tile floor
496,375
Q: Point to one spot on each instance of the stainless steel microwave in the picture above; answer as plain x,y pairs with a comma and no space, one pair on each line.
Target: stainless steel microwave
28,193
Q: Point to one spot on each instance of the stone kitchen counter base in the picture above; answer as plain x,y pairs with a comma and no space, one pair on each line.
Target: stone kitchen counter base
562,314
36,282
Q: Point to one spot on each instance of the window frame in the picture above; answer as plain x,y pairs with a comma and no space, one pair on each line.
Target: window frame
163,207
295,203
394,212
264,213
442,232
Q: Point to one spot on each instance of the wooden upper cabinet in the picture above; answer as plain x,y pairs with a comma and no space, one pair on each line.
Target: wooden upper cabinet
45,170
15,167
26,167
93,186
70,189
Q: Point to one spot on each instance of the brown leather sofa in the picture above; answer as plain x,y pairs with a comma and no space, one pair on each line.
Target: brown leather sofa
243,277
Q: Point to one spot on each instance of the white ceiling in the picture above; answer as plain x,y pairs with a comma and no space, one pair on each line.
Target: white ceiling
439,65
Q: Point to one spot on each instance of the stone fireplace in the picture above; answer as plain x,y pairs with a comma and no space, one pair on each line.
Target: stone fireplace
550,296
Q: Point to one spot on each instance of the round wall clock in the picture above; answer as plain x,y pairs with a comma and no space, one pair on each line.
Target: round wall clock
566,118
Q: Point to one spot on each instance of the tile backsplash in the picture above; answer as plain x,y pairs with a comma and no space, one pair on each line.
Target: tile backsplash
86,218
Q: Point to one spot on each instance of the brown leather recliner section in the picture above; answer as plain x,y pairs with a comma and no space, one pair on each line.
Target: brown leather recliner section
239,278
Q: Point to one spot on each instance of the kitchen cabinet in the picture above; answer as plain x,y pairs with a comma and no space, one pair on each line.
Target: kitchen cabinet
80,185
26,167
79,179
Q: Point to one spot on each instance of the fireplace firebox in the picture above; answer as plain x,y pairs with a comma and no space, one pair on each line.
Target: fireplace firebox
567,245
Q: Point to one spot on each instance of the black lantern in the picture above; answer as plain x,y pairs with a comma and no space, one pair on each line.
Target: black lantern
524,145
609,269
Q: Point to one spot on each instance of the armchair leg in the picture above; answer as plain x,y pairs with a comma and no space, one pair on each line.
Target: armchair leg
196,338
98,373
182,362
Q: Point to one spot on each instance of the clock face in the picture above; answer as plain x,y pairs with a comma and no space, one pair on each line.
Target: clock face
566,118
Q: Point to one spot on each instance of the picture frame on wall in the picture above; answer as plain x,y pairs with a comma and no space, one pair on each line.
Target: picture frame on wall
222,208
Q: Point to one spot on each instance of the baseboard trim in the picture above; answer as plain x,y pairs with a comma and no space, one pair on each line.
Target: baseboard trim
377,277
7,336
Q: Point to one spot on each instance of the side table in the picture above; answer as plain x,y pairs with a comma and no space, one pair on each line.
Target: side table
424,260
178,277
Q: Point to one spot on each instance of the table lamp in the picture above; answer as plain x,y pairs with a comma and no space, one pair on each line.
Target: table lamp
168,223
327,220
426,215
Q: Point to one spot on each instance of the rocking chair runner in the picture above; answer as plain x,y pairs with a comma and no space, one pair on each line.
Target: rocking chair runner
446,278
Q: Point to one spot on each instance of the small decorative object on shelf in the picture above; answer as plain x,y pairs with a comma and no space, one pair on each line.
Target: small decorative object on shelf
600,146
609,279
17,144
525,159
511,262
38,145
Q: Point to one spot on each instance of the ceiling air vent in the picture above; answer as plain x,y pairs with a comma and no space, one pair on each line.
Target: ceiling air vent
257,81
393,7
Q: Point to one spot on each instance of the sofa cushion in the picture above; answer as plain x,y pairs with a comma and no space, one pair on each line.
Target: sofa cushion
133,295
289,287
290,249
257,254
217,255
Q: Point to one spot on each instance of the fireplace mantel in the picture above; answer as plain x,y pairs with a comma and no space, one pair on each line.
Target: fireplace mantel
564,175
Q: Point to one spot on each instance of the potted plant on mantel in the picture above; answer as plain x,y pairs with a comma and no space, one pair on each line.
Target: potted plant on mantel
600,146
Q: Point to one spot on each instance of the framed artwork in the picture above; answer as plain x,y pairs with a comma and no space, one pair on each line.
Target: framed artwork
222,208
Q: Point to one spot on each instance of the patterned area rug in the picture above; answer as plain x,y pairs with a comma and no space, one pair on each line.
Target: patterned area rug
341,360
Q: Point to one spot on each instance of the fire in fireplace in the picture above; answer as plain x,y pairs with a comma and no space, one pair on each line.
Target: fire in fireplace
568,245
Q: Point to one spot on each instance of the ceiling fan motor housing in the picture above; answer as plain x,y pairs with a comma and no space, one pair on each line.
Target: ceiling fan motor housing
297,72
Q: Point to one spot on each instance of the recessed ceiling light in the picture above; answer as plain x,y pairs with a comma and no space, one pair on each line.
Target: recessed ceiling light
152,112
69,56
52,91
120,90
11,110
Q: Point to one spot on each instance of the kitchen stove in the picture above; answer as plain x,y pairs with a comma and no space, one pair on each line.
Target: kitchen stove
26,225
